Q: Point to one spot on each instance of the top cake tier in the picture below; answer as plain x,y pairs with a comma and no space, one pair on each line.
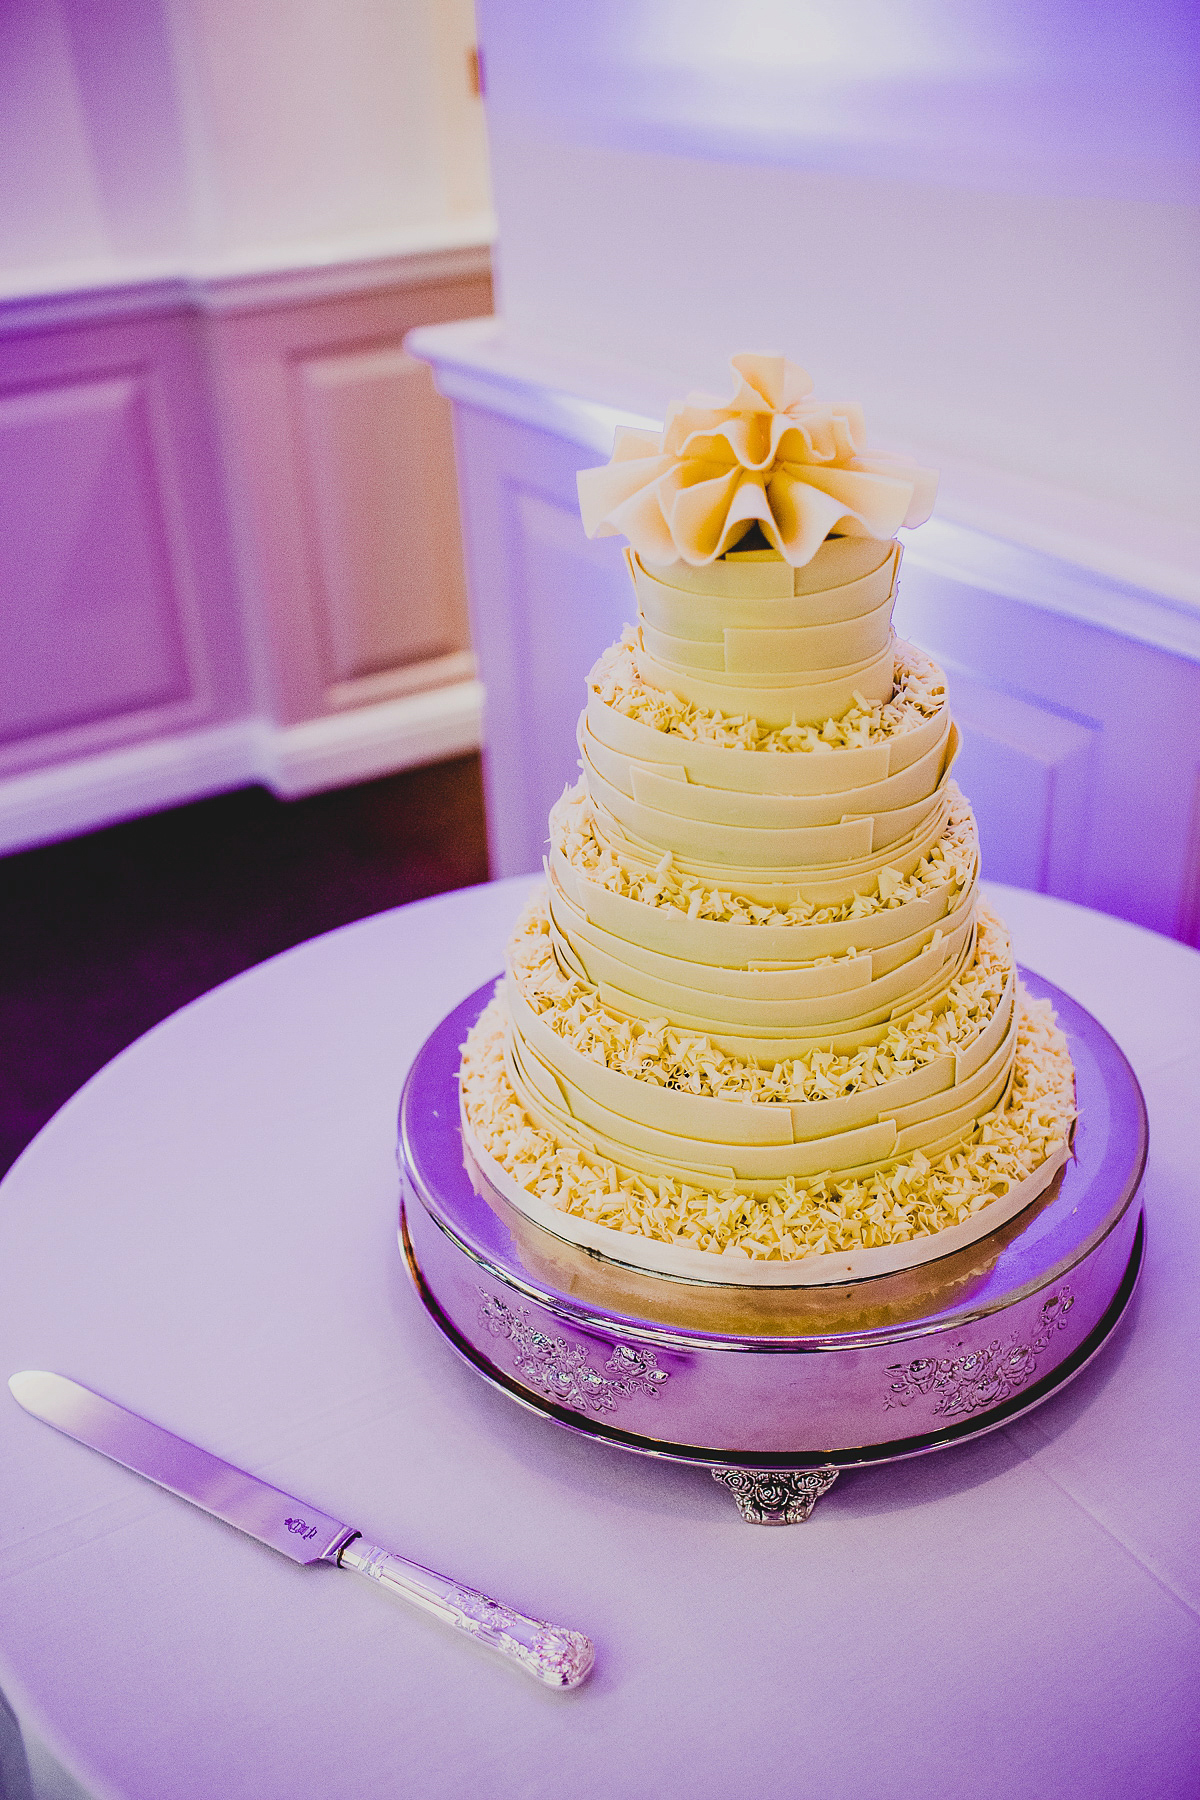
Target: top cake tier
754,636
771,458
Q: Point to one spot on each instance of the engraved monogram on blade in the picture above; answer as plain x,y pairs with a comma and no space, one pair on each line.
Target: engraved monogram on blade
980,1378
301,1528
560,1370
776,1496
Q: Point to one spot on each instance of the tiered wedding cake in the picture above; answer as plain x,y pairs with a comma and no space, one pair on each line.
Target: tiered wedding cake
759,1014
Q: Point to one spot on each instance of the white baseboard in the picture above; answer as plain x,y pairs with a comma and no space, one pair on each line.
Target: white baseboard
65,798
356,745
372,740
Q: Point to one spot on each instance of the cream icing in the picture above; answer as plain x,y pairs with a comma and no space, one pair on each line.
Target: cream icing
913,1209
771,456
758,1010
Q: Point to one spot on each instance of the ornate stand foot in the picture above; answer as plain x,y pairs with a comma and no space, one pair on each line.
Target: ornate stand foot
777,1496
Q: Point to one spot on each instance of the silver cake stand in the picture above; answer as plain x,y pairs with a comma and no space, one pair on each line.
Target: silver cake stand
776,1391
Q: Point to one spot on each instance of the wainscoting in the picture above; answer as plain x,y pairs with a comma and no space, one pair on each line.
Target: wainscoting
1081,734
1078,695
229,546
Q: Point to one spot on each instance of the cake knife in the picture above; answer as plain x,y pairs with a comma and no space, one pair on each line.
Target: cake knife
553,1654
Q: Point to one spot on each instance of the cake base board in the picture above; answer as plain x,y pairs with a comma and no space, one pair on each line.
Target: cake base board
777,1417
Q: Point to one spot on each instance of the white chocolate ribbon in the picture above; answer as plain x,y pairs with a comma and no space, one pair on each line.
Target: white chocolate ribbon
772,456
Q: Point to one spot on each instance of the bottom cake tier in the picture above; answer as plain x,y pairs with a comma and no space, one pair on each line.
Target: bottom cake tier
785,1379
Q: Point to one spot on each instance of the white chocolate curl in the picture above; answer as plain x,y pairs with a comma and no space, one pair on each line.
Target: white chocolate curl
772,456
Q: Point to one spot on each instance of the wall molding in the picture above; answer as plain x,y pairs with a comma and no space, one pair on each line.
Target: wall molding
291,760
251,290
479,362
308,273
1148,564
367,741
1055,585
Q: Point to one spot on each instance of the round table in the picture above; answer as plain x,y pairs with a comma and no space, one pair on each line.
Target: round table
207,1232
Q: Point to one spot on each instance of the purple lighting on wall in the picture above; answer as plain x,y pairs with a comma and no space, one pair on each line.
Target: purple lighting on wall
1054,98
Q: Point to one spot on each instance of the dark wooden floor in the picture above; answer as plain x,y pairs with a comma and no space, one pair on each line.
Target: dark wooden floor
103,935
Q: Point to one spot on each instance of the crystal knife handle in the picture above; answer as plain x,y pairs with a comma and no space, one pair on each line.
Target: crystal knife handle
551,1653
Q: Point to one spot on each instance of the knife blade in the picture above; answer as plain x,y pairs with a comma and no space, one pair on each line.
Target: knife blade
553,1654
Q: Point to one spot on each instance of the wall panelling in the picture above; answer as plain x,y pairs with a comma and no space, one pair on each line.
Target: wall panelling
544,603
118,619
1029,771
229,544
98,631
1083,739
382,517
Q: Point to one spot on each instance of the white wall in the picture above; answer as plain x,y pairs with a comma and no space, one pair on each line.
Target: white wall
312,121
978,217
229,545
144,137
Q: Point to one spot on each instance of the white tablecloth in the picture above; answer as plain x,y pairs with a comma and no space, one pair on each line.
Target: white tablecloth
207,1232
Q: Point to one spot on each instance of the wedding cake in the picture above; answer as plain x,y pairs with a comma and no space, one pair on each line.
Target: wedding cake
759,1024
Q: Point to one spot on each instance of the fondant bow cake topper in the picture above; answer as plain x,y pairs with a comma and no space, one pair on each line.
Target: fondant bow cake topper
772,456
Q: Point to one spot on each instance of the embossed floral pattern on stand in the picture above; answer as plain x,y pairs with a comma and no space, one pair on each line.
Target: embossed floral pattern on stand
559,1369
980,1378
